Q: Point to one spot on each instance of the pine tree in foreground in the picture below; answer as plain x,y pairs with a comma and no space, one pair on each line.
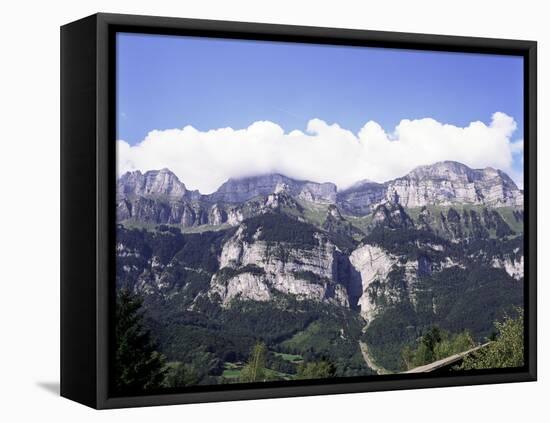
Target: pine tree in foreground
137,366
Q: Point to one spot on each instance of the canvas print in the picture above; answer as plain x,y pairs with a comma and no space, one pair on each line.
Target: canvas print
290,211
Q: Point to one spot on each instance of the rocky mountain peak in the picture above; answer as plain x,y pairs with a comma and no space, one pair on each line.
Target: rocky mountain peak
448,182
153,183
238,190
445,169
361,184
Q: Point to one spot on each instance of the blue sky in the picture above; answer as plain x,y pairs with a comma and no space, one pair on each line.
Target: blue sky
172,81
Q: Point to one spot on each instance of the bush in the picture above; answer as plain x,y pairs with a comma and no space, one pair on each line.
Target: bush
505,351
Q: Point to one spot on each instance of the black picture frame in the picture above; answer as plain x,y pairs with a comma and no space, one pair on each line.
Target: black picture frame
88,192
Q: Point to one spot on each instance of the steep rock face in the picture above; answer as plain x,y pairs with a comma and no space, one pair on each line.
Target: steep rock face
234,214
447,183
217,215
153,280
388,279
154,183
254,269
361,197
391,215
244,189
374,264
513,266
245,286
158,197
153,211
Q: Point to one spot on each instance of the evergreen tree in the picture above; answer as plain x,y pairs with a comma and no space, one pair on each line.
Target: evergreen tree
138,366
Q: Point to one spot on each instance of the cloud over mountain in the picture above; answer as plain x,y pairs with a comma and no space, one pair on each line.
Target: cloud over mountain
324,152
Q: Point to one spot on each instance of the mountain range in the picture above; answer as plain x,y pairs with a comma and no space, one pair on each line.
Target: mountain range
317,272
158,196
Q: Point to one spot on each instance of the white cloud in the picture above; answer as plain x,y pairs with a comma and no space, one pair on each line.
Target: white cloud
323,153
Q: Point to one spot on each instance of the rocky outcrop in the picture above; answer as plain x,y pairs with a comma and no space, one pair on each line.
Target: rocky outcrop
391,215
217,215
152,211
373,264
388,279
443,183
255,269
514,266
245,286
447,183
361,198
155,184
158,197
244,189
